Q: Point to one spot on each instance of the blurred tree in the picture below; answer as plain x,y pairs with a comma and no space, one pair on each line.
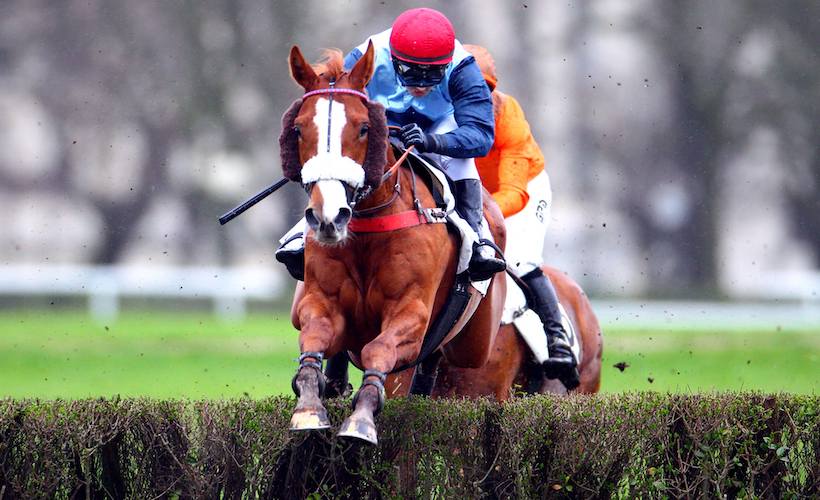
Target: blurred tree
675,187
791,107
129,85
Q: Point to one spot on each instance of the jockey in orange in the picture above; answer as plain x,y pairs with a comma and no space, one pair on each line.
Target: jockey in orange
513,171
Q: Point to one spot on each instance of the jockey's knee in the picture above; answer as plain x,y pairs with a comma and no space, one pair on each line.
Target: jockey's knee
520,268
459,169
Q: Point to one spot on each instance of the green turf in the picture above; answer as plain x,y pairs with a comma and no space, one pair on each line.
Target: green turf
189,355
697,361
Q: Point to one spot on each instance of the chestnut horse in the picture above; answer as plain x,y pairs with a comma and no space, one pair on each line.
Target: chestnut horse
510,368
372,294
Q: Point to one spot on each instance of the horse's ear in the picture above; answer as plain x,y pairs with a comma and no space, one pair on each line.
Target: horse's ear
300,70
363,69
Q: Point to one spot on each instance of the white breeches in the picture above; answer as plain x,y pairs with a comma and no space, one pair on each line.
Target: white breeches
527,229
457,168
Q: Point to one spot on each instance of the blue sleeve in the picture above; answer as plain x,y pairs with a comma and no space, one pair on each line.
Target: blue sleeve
351,58
473,106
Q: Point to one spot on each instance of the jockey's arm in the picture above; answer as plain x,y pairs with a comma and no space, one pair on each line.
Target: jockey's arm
473,107
519,156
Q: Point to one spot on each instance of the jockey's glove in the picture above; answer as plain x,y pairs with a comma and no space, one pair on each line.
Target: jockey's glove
412,135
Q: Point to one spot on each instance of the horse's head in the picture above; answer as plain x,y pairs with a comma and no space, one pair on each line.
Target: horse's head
333,140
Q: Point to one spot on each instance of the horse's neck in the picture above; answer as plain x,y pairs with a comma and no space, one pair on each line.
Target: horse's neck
385,192
383,195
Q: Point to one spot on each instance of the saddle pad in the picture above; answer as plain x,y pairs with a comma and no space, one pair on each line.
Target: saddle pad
528,325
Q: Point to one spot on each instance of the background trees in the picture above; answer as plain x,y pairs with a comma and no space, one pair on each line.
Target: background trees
682,138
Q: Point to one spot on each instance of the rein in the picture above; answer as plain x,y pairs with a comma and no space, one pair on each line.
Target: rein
396,188
364,222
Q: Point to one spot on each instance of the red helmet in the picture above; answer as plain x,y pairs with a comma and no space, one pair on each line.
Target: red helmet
423,36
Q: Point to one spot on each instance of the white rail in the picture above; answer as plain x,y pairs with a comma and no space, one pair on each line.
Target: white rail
228,288
693,315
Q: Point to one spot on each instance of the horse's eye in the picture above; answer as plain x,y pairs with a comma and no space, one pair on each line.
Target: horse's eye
297,131
363,130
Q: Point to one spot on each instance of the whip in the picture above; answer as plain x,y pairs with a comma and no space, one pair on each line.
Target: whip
261,195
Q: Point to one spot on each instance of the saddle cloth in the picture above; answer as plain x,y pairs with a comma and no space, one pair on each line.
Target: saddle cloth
528,325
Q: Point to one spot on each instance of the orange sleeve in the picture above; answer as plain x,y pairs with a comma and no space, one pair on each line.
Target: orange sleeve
519,155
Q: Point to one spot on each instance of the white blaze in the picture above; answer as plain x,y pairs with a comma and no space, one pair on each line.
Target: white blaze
329,164
335,115
329,169
335,199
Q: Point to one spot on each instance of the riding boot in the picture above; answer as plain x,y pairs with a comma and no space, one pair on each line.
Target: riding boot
561,363
291,253
483,264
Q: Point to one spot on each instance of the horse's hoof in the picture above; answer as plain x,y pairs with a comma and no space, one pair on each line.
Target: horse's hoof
309,420
359,429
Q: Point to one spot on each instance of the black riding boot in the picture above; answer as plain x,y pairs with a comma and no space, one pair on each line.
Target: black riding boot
292,255
483,264
561,363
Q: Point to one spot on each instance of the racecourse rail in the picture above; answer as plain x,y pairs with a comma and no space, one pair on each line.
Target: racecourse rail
793,302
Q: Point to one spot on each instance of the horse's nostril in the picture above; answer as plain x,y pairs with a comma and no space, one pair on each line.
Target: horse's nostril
343,217
311,219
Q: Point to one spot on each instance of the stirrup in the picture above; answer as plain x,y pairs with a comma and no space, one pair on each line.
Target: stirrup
483,267
564,368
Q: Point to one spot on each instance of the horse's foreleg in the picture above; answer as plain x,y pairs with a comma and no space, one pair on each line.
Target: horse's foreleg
399,343
316,338
367,403
336,373
309,385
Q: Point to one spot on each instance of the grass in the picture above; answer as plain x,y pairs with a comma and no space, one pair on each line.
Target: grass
189,355
777,360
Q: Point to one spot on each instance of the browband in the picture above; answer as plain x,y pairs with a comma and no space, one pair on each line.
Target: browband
336,91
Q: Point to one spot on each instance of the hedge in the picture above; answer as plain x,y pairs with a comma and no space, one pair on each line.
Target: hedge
649,445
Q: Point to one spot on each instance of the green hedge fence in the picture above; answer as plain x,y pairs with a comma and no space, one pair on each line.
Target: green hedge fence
649,445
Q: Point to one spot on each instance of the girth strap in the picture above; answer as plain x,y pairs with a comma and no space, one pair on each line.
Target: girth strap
444,322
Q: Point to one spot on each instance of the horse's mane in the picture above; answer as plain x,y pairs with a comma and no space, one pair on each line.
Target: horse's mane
331,65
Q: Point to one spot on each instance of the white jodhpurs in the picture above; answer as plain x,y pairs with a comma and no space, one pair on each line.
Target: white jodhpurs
527,229
457,168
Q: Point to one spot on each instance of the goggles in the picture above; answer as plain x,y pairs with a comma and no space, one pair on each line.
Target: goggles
419,75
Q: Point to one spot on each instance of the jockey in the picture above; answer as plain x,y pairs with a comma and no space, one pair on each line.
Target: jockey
433,89
513,172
